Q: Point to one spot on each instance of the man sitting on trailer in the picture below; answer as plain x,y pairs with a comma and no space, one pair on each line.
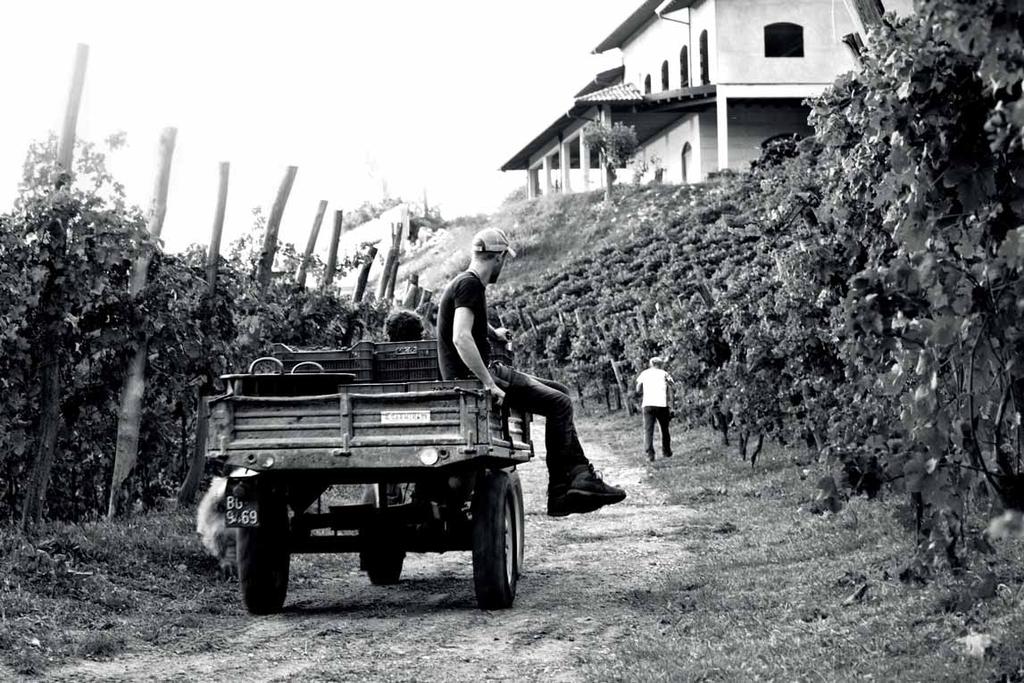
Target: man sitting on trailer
463,353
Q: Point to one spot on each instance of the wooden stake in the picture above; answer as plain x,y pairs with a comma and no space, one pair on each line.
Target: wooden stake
66,150
390,264
126,449
621,387
49,355
411,297
425,295
389,295
364,275
332,253
266,265
314,232
213,255
190,486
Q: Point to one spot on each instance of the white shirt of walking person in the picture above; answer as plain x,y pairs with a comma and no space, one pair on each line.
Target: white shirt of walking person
655,384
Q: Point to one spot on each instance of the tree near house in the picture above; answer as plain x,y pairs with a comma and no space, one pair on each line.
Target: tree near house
616,144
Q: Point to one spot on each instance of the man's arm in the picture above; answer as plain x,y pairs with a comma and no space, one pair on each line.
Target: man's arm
462,337
497,333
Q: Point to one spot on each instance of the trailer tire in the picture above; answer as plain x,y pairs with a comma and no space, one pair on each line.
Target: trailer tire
264,558
517,487
495,540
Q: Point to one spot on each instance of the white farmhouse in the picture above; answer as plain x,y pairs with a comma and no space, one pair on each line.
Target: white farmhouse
704,83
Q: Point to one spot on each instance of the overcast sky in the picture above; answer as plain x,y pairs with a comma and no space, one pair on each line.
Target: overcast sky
433,95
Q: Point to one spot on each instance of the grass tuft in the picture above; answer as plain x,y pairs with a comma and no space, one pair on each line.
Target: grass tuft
775,592
89,590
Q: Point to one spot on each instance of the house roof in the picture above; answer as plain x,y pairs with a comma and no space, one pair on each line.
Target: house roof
630,26
648,114
521,160
674,5
603,80
621,92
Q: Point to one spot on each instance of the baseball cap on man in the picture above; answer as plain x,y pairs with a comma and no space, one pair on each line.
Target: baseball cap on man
492,240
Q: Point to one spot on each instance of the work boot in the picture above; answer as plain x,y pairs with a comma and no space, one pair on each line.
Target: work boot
562,502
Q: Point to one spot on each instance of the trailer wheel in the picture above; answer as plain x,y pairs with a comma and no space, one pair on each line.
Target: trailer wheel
495,540
517,488
382,565
263,559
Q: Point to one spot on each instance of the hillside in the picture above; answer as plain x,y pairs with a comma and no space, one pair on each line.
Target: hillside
552,230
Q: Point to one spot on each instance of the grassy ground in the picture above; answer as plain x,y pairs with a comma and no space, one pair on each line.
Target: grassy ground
773,592
778,593
90,590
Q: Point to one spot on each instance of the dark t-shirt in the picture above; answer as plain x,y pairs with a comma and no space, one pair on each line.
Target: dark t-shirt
465,290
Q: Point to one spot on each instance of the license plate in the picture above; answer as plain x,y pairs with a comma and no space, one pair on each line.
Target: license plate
403,416
241,513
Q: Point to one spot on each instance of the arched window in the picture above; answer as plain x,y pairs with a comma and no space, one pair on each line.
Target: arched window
684,67
647,85
705,76
783,40
686,160
664,75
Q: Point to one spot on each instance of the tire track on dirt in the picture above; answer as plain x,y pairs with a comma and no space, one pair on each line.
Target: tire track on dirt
576,597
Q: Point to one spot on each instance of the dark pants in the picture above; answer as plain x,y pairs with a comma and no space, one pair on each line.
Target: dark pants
551,399
652,413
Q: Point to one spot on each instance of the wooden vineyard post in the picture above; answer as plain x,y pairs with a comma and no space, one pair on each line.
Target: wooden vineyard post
190,486
364,275
389,295
412,293
425,296
126,449
49,355
332,254
621,387
386,287
266,265
213,255
314,233
641,321
66,150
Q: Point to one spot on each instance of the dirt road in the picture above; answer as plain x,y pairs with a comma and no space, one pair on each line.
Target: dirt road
577,595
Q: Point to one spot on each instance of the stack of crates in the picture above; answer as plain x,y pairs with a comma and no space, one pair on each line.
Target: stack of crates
356,359
414,361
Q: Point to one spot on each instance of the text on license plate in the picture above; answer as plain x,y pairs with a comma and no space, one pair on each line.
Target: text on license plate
399,416
240,512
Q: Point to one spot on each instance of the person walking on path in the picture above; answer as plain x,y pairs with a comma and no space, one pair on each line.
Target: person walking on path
656,385
463,352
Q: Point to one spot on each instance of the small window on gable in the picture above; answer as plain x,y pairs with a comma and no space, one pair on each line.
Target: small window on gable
684,67
664,75
783,40
647,85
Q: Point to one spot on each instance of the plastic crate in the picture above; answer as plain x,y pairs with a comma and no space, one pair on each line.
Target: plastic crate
414,361
357,359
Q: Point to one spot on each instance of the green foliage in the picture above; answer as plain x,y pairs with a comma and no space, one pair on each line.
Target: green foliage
861,289
617,142
65,259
